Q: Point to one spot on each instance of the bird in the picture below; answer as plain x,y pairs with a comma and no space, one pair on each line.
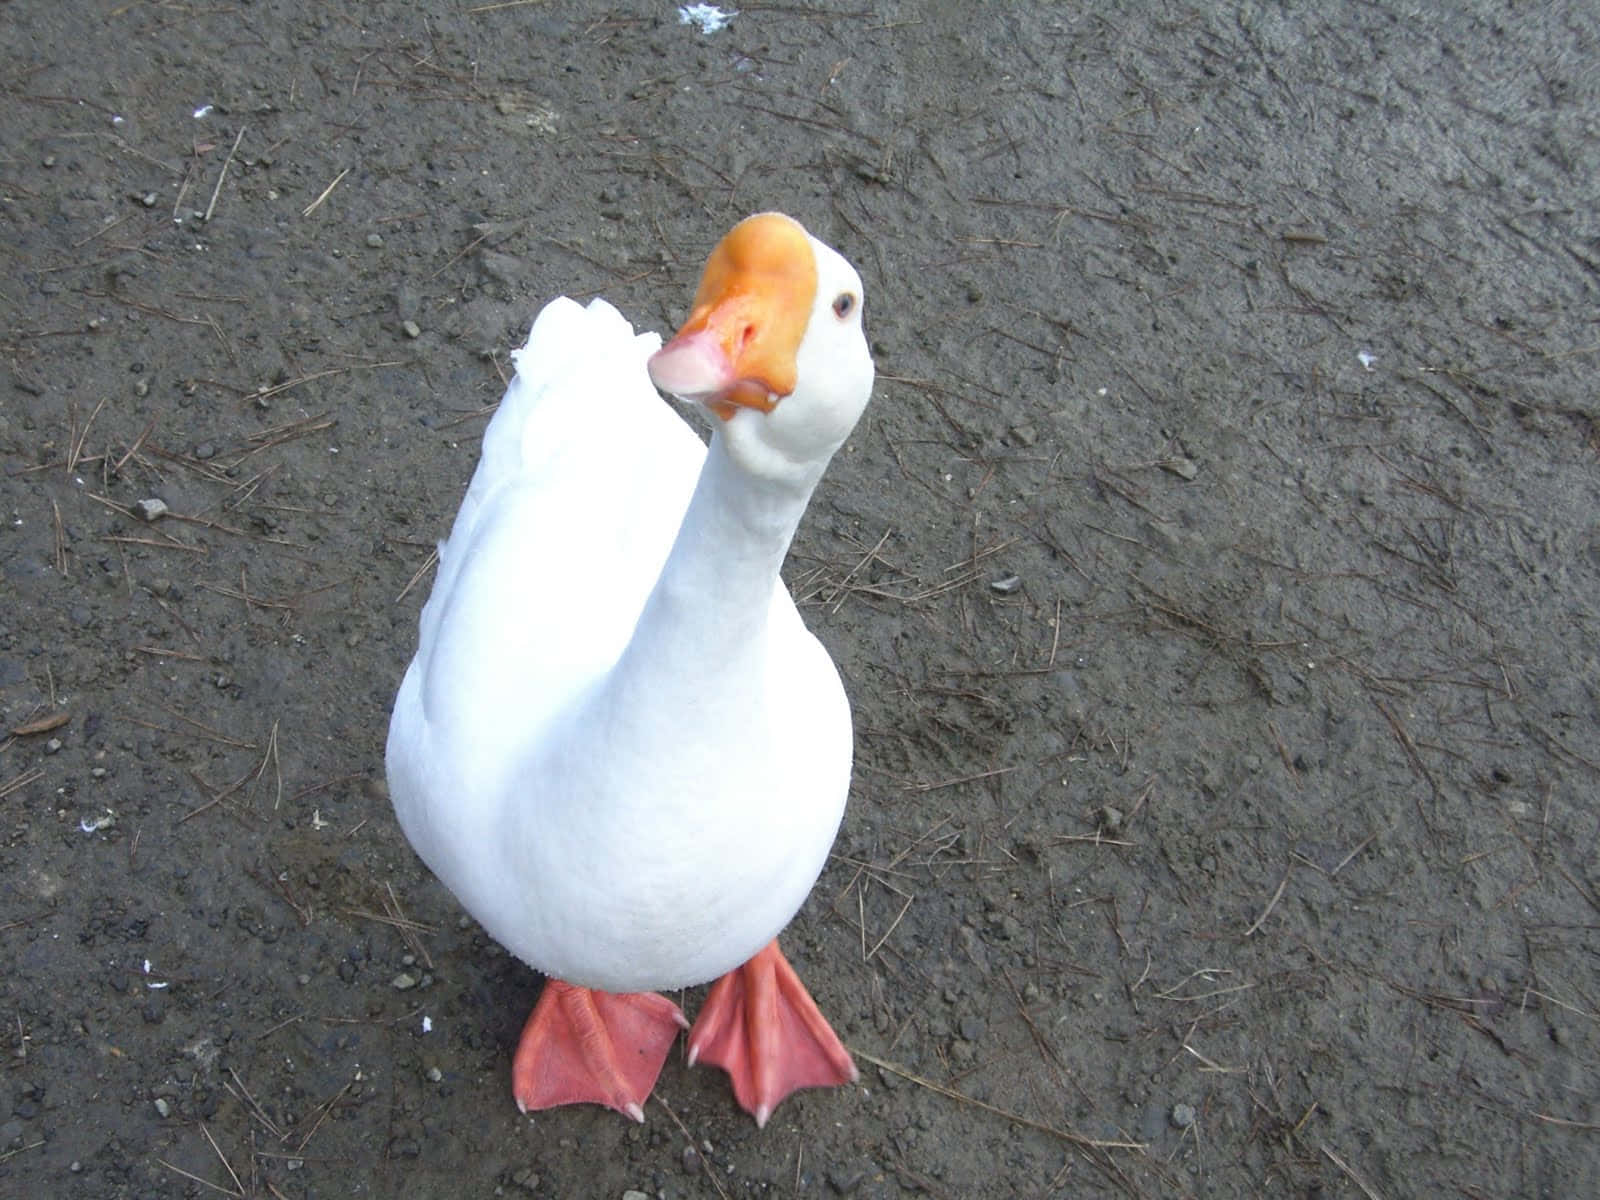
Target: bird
618,744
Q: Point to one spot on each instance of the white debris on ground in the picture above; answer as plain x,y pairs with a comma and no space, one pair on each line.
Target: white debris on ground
708,18
96,824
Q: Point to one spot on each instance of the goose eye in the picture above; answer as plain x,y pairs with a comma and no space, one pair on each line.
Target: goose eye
843,305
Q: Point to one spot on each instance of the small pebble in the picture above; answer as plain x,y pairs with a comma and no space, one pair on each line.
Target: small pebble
152,509
1005,585
1182,1116
375,240
411,329
404,981
635,1194
162,1107
53,746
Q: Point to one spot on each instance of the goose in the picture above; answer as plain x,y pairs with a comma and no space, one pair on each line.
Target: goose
618,744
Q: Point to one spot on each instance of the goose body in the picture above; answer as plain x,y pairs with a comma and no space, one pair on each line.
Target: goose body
618,744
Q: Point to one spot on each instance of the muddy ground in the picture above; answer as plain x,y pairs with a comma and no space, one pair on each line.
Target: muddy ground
1215,579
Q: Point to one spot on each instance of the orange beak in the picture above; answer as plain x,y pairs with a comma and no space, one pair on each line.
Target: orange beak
737,349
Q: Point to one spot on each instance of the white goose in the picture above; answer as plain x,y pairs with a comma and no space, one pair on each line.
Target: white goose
618,744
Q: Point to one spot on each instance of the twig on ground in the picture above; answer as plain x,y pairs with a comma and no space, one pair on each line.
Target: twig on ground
1355,1176
1066,1135
42,724
223,174
176,1170
431,561
243,1093
689,1137
1271,904
326,192
232,1174
322,1110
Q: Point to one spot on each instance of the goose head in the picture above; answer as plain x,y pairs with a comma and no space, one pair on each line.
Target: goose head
774,349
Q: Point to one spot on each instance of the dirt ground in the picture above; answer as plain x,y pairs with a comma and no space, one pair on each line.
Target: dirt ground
1214,577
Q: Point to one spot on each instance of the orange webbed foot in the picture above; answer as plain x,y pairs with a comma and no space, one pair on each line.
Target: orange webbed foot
587,1047
762,1027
